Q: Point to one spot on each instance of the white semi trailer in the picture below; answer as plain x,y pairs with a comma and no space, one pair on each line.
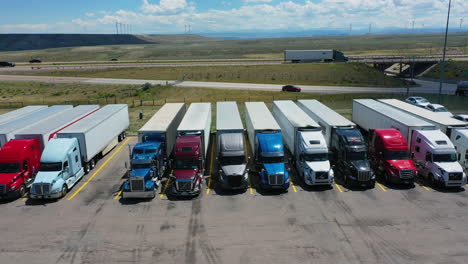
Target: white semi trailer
456,130
20,112
296,56
431,150
304,139
9,129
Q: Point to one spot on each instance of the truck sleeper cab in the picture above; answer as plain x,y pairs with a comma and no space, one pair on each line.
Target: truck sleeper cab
270,157
144,176
19,163
390,157
233,172
60,169
351,157
188,166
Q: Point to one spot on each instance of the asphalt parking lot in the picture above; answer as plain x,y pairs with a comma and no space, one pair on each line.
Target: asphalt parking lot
92,224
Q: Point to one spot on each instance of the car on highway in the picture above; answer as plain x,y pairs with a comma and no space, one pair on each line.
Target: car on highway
418,101
114,59
440,109
291,88
462,88
461,117
35,61
7,64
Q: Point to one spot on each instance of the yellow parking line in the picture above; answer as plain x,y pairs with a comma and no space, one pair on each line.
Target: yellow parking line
98,170
165,188
381,187
339,188
24,198
118,195
425,187
208,186
250,185
293,186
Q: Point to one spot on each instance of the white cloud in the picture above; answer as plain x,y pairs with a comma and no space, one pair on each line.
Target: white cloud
257,1
89,14
165,6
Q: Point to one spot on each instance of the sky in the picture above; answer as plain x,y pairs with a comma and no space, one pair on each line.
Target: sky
205,16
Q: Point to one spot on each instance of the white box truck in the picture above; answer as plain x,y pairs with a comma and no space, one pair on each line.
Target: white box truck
149,157
456,130
9,129
49,127
304,139
230,147
431,150
346,143
266,143
190,151
20,112
296,56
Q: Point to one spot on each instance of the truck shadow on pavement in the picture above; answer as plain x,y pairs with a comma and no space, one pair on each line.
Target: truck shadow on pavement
394,186
438,188
43,202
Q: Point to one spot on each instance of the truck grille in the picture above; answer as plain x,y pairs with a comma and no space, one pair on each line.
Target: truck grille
234,180
364,175
406,174
137,184
277,179
41,189
184,186
458,176
321,175
2,188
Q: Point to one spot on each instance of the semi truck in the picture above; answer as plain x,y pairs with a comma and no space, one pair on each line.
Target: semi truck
20,112
26,161
266,144
9,129
346,143
149,157
296,56
77,148
456,130
304,139
190,151
431,150
230,147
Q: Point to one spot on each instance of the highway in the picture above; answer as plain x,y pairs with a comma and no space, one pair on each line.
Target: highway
425,86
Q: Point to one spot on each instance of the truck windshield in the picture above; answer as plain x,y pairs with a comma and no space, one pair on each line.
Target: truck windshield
9,167
51,166
356,155
141,166
232,160
449,157
186,164
397,155
279,159
138,151
316,157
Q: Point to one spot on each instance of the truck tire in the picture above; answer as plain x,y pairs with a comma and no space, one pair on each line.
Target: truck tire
430,179
92,164
22,190
86,168
64,190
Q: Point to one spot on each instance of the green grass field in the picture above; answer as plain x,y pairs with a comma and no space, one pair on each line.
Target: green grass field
334,74
177,47
454,71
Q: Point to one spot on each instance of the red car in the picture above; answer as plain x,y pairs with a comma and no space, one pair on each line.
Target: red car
291,88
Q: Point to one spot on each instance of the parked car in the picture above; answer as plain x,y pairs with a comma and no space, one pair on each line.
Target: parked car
35,61
7,64
418,101
291,88
462,88
114,59
461,117
439,109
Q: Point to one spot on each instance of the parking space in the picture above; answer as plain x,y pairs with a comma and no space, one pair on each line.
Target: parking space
93,224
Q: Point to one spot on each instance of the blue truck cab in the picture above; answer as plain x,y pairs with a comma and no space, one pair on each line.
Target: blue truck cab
60,169
147,167
270,157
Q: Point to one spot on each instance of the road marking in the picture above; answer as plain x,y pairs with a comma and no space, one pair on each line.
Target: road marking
165,188
293,186
118,195
339,188
425,187
250,185
99,169
208,186
24,198
381,186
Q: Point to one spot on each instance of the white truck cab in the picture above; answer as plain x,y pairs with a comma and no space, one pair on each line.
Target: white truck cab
460,140
436,158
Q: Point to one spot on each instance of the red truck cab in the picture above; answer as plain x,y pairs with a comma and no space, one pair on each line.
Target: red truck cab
19,164
188,166
390,157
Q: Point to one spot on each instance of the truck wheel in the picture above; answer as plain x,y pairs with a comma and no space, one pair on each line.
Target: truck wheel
430,179
92,163
86,168
64,190
22,190
124,135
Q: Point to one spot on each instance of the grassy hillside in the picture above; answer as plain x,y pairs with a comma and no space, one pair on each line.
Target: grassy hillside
196,47
337,74
455,71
